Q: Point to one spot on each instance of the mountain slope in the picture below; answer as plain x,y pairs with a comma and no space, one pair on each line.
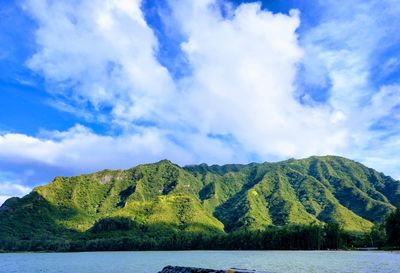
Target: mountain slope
162,198
316,189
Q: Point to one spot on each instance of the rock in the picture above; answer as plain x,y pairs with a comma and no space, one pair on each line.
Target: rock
179,269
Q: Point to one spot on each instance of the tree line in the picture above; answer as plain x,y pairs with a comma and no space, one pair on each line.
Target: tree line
290,237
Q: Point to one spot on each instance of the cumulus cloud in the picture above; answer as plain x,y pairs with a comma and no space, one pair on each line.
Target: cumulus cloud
241,83
346,55
81,150
101,53
237,103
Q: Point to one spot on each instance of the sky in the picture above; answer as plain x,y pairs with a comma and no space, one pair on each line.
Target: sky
109,84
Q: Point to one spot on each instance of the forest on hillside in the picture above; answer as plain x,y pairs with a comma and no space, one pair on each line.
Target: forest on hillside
106,236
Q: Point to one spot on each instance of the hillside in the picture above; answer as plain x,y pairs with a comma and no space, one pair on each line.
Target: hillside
163,199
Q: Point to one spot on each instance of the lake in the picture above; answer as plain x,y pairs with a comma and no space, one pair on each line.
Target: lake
153,261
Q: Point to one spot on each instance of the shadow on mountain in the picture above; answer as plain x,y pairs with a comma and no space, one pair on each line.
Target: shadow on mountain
123,195
236,206
32,223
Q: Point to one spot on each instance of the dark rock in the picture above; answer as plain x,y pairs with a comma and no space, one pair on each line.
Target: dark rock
179,269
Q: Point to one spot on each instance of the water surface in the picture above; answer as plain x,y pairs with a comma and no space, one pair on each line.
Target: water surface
153,261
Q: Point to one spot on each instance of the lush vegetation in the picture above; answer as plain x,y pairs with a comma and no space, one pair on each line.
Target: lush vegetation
293,237
314,203
392,228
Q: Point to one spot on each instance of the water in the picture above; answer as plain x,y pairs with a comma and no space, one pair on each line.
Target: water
153,261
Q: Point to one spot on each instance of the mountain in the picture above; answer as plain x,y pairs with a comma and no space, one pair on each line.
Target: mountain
164,198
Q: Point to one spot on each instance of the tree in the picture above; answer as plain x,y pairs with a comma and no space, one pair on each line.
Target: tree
393,228
333,234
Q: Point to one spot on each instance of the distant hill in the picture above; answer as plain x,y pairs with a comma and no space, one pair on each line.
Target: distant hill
163,197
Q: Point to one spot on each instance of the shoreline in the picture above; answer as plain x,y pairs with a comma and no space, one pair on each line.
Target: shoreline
206,250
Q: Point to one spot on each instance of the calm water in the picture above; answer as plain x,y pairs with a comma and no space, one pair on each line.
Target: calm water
152,262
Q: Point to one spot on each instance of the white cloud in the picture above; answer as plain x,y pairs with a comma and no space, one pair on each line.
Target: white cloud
81,150
101,52
238,100
346,50
244,68
340,48
11,189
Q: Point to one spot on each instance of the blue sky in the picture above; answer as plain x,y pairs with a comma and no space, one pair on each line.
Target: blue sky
88,85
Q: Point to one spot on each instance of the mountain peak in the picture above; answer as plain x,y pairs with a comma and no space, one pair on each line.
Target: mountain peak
216,198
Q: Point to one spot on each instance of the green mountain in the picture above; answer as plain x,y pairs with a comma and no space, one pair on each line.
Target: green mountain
164,198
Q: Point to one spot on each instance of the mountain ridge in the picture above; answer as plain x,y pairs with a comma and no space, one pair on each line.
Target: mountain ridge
160,198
